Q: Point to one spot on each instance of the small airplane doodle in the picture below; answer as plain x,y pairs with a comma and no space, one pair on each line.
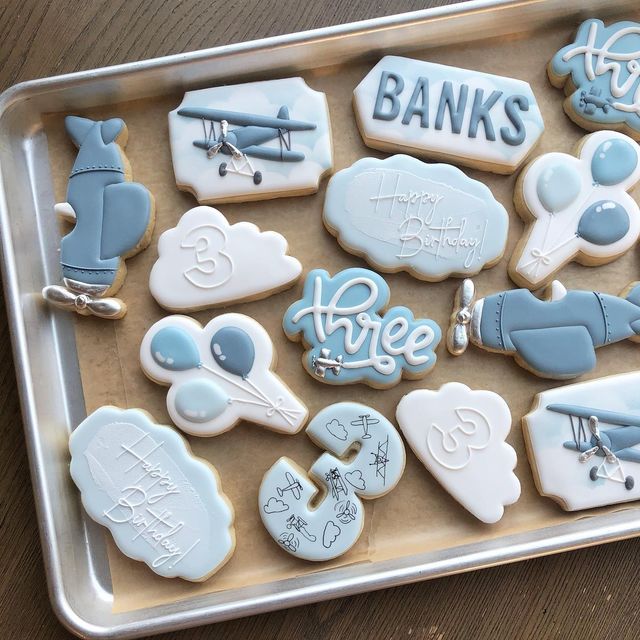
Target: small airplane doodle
380,460
591,101
300,525
614,445
246,140
293,486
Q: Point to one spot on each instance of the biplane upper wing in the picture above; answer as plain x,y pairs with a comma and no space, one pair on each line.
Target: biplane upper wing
603,415
246,119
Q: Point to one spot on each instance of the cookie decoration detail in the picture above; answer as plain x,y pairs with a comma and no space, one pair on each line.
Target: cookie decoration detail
577,208
251,141
113,220
219,375
583,442
401,214
206,262
453,115
600,74
329,529
459,435
163,506
347,340
554,337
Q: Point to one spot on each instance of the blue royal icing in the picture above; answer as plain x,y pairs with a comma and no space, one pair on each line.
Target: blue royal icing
349,341
604,66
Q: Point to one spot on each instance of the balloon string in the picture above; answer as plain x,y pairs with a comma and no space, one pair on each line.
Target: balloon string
540,257
288,414
234,383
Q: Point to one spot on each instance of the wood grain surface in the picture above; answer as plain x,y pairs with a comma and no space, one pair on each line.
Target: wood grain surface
594,593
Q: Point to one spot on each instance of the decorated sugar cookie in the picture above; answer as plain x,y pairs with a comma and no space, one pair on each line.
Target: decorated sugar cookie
163,506
251,141
206,262
428,219
449,114
219,375
459,435
577,208
113,220
583,442
330,528
347,339
600,73
553,337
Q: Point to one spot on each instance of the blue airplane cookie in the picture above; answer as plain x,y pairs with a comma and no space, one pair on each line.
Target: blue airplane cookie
113,220
554,337
600,72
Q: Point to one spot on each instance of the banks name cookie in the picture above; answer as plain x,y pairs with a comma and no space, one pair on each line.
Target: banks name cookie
456,115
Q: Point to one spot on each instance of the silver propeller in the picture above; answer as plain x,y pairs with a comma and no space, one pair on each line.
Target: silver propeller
458,336
83,303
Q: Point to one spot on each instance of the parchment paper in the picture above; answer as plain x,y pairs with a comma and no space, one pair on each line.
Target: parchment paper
418,515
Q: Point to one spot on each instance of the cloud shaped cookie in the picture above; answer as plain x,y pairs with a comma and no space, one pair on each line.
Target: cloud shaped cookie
459,436
206,262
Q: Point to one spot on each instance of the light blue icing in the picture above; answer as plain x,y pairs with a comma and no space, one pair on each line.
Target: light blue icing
604,65
558,186
603,223
429,219
338,320
613,161
174,349
556,338
233,350
200,400
112,215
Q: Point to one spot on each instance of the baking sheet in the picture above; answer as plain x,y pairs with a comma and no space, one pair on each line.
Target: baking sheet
418,515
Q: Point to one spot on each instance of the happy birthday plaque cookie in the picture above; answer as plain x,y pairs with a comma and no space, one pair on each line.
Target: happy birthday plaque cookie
401,214
446,113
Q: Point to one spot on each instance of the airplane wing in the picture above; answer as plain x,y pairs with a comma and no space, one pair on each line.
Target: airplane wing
559,352
245,119
629,455
603,415
269,153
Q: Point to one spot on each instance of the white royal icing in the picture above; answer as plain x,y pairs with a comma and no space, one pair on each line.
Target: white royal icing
162,506
219,374
554,237
459,435
588,475
330,528
200,174
497,119
204,261
428,219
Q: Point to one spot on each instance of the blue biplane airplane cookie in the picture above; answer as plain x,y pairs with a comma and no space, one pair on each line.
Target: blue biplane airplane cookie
251,141
583,442
113,220
554,337
600,73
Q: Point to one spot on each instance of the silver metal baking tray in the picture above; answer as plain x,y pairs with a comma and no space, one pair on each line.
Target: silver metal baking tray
44,343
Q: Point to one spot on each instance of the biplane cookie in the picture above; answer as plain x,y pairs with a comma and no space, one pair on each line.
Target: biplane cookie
459,435
554,337
326,530
583,442
428,219
251,141
448,114
113,220
163,506
206,262
219,375
347,340
577,208
600,74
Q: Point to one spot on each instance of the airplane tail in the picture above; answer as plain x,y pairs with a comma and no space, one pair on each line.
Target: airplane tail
283,113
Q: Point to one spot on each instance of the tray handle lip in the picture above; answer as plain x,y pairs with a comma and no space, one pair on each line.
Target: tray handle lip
23,90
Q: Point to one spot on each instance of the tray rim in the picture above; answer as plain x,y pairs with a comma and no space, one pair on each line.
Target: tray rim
622,524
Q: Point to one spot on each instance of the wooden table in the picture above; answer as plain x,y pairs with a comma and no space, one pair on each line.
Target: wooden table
594,593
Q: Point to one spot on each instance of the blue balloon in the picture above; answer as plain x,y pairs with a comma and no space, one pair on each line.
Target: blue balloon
200,400
174,349
604,222
233,350
613,161
558,186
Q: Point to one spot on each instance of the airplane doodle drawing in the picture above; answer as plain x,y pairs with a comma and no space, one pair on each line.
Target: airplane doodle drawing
554,337
113,220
